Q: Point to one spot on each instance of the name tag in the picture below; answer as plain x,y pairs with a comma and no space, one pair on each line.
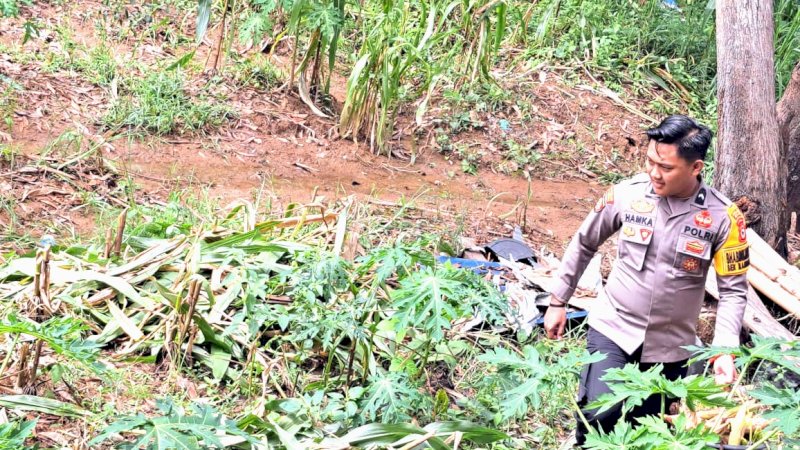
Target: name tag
698,233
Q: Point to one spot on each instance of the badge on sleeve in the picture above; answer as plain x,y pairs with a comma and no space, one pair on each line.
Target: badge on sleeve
733,258
606,199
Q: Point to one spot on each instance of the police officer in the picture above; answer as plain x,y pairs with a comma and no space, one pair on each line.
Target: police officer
672,229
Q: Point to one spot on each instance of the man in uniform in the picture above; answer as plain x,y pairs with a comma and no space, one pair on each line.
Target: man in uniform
673,229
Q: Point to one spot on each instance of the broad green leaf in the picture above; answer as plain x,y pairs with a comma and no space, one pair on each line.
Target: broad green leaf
124,321
471,432
220,360
42,404
203,17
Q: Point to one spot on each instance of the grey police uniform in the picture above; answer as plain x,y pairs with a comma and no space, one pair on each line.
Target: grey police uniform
666,247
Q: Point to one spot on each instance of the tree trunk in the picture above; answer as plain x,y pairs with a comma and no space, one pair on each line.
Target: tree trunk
750,168
789,122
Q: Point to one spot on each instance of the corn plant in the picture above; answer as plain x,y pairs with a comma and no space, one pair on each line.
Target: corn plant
406,41
405,435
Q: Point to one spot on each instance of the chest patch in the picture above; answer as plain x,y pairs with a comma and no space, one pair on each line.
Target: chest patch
699,233
637,234
694,247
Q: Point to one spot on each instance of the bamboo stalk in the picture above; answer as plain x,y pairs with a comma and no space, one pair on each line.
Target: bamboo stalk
30,387
194,293
773,291
22,362
771,270
756,316
789,286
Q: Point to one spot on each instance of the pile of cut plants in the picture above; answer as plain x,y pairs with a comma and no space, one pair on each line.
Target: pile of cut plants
292,331
288,343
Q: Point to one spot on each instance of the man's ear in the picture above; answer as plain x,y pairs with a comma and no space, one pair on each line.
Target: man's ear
697,167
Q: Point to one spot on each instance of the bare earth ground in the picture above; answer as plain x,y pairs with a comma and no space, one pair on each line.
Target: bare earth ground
275,144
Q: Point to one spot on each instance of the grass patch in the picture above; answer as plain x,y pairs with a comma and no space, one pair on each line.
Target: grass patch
258,72
160,104
98,65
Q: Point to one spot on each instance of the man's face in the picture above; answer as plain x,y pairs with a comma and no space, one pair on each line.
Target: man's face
670,174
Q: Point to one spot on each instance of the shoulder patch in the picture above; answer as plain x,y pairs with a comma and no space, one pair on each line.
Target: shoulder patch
733,258
606,199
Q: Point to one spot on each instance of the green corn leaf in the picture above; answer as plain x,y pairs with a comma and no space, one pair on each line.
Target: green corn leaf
43,405
203,17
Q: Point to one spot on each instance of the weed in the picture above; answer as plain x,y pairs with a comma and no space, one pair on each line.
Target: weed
10,8
98,65
8,101
14,434
258,71
11,220
519,156
611,177
470,159
177,428
159,103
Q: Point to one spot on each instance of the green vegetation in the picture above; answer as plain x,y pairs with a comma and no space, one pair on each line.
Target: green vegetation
270,312
290,343
158,103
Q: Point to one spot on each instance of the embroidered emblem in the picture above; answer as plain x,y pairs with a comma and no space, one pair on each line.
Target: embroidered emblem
606,199
696,247
701,197
691,264
703,219
643,206
628,231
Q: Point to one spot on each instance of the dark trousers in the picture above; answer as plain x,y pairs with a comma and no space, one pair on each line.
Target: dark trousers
592,387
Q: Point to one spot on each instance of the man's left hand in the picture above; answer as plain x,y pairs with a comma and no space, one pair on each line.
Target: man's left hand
724,369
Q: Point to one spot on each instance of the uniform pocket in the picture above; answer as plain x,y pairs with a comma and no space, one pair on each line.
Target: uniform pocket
692,257
632,254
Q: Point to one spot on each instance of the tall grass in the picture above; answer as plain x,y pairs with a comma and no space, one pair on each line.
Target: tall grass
630,41
647,42
787,41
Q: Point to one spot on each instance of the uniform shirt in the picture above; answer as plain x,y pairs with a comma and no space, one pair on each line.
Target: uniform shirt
666,247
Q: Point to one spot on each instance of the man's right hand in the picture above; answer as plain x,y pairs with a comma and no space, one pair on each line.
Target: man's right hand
555,319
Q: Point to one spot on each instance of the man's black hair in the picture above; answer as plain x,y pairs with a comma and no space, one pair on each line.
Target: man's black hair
691,137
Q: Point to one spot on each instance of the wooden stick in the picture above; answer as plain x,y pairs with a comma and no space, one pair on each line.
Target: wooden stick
774,292
120,230
756,316
109,243
311,218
